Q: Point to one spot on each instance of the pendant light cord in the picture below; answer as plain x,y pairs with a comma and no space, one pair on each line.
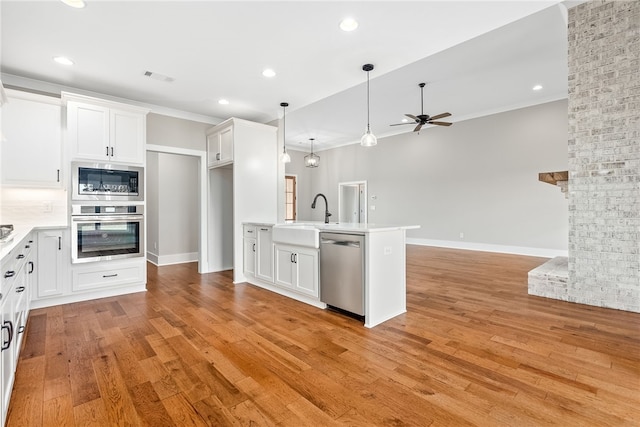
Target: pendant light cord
368,121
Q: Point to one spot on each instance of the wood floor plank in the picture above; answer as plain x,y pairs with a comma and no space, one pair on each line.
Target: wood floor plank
473,349
58,412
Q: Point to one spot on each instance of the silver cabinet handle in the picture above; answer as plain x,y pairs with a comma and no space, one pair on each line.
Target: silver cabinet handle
111,151
254,247
217,156
59,243
264,229
110,275
107,151
20,289
58,175
9,273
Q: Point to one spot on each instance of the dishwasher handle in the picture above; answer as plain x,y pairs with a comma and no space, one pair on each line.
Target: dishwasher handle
348,243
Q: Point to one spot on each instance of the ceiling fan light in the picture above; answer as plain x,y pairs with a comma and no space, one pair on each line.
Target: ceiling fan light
368,139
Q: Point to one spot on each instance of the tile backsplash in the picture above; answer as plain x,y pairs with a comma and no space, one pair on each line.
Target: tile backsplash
30,206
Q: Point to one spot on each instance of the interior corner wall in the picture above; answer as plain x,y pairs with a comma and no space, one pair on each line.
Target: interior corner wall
178,208
604,155
152,212
478,177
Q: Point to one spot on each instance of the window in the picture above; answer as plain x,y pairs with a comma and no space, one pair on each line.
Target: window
290,197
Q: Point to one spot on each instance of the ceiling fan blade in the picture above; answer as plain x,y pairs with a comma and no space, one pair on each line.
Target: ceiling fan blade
440,116
440,123
418,127
400,124
411,116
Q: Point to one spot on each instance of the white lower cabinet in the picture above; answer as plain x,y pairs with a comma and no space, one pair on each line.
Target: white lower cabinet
258,251
264,253
53,259
106,275
17,269
296,269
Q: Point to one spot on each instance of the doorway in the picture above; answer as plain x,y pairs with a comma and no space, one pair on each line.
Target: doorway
352,202
291,197
169,161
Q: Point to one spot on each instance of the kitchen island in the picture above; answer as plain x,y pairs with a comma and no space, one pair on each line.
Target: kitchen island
294,262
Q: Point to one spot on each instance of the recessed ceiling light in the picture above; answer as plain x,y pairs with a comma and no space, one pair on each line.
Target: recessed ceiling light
537,87
63,60
223,101
348,24
268,72
78,4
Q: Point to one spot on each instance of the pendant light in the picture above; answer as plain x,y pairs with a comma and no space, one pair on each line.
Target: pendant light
368,139
284,157
312,160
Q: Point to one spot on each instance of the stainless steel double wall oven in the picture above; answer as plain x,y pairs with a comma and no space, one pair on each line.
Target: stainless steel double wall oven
107,212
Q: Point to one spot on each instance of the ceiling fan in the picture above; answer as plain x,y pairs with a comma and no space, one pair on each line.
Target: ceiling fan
424,119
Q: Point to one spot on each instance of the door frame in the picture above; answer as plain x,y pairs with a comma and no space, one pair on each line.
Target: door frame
201,155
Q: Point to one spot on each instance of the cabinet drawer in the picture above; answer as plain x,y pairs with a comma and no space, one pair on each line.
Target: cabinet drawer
249,231
88,279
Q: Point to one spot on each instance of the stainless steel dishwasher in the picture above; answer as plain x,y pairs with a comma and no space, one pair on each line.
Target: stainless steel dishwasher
342,271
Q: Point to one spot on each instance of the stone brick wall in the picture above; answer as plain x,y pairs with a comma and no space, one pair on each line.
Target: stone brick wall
604,154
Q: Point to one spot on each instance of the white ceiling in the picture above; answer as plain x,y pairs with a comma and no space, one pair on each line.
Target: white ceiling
477,57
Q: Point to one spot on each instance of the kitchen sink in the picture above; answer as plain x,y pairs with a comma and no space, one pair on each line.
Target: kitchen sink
299,234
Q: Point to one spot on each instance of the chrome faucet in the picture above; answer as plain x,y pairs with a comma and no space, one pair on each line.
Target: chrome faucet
326,207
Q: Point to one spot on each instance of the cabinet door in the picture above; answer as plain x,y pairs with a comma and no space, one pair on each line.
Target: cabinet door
264,263
213,149
88,129
220,147
226,146
284,274
32,149
307,273
127,136
51,266
7,360
249,256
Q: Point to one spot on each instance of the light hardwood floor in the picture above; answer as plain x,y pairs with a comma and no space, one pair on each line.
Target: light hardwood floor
473,349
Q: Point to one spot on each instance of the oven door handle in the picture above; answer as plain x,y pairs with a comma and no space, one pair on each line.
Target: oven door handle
103,218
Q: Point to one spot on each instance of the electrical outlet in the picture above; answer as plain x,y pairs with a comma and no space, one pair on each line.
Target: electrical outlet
155,245
47,206
461,235
387,250
373,207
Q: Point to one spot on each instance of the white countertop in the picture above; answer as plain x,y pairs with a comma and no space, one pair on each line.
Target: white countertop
20,231
352,227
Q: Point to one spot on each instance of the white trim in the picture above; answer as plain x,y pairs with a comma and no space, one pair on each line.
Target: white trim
56,89
162,260
152,258
488,247
203,265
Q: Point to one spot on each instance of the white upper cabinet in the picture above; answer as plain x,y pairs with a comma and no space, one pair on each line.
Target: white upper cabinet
105,131
220,146
32,141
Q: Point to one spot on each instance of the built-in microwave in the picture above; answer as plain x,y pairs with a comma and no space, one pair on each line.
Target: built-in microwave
106,181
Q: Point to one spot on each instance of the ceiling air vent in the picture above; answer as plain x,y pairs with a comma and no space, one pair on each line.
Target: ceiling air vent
157,76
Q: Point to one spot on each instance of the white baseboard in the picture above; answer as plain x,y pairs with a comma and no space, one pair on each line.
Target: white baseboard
161,260
486,247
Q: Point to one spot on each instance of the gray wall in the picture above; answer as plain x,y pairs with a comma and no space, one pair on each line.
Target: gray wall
604,153
478,177
173,214
153,206
174,132
172,207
